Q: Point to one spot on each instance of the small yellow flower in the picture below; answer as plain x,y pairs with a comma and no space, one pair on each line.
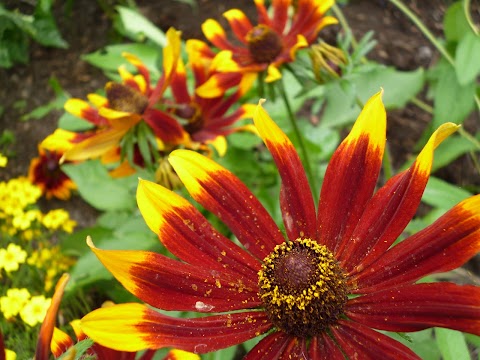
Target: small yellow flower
58,218
34,311
3,160
10,355
11,257
13,302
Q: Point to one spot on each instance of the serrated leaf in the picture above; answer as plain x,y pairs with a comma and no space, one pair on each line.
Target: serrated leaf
138,25
443,195
452,344
453,101
100,190
467,64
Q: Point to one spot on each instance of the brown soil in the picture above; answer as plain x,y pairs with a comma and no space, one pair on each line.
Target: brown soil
88,28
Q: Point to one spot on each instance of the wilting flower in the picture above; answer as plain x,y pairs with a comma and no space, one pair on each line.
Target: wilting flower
327,61
45,171
318,292
125,105
274,41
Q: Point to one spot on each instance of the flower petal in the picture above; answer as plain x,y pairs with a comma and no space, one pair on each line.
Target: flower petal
134,327
428,251
165,127
188,235
82,109
220,192
219,83
46,331
351,176
419,306
239,23
298,209
214,32
391,209
360,342
270,347
60,343
176,354
280,14
172,285
323,347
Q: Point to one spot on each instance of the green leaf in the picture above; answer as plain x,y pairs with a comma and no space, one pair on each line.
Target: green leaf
80,348
421,342
110,58
100,190
452,344
341,108
73,123
138,27
467,65
441,194
451,148
453,101
455,23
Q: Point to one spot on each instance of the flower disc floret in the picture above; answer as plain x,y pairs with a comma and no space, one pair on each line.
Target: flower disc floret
302,287
264,44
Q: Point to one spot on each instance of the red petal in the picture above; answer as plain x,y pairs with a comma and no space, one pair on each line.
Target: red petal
323,347
296,349
239,23
262,13
46,331
298,209
222,193
392,208
419,306
165,127
351,176
270,347
188,235
147,328
443,246
360,342
171,285
280,14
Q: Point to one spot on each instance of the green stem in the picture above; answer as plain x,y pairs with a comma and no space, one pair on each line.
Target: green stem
387,164
344,23
428,34
469,137
468,16
298,135
422,105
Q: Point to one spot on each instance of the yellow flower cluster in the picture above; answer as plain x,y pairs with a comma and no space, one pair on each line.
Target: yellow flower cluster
32,309
18,216
53,260
3,160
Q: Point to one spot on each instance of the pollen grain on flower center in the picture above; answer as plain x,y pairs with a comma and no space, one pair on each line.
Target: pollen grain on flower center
302,287
264,44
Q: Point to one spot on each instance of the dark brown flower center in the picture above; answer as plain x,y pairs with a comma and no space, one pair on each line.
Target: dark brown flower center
193,116
124,98
264,44
302,288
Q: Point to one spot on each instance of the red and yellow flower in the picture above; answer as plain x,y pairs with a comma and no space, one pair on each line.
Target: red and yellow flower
207,120
289,26
125,105
318,292
45,171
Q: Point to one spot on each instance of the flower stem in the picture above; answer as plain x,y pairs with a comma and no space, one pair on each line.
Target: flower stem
421,26
298,135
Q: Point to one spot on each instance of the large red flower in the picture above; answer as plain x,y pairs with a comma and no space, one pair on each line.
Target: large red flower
318,292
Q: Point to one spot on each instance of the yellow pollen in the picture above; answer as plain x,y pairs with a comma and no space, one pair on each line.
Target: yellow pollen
302,287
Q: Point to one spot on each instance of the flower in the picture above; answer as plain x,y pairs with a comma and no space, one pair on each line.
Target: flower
13,302
319,291
125,105
3,160
12,257
45,171
207,119
273,41
34,310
